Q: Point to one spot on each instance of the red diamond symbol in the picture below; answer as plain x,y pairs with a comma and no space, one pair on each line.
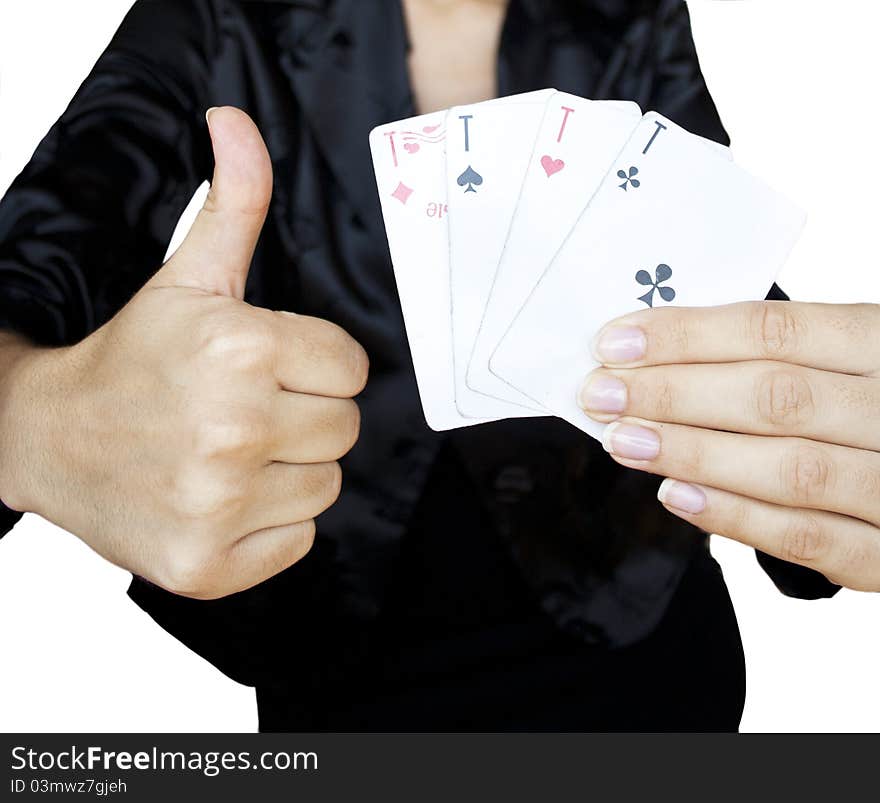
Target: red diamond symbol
402,193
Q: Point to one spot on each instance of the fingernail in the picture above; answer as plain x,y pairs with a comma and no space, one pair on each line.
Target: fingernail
620,344
682,496
209,112
631,442
603,394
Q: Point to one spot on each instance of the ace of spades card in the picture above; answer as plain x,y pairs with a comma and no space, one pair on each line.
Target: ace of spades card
488,149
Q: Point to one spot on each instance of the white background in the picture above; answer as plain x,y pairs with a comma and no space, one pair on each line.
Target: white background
796,85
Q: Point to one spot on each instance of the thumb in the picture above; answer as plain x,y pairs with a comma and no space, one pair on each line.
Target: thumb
217,252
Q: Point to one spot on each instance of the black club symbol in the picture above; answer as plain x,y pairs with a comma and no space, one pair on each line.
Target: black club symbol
629,178
662,274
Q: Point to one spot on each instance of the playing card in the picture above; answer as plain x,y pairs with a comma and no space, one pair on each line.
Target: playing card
576,143
408,159
672,222
487,152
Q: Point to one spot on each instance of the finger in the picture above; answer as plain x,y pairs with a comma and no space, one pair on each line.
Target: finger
217,252
312,429
259,556
845,550
281,493
785,471
759,398
831,337
318,357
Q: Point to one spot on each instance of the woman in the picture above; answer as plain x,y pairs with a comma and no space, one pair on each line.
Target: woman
505,577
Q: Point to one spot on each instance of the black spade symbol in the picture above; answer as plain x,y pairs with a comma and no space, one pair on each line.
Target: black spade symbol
471,178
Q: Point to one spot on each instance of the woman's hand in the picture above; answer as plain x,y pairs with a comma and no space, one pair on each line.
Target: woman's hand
766,417
193,438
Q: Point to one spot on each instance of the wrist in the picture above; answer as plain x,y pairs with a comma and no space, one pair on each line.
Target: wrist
33,397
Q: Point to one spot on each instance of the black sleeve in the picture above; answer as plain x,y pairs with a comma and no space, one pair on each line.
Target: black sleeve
89,218
796,581
669,65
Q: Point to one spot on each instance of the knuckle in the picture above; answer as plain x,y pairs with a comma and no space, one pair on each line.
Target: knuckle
775,328
738,519
857,323
188,573
212,328
298,542
804,540
319,487
257,203
349,427
850,568
198,496
322,342
324,484
867,317
664,400
784,398
352,358
360,367
867,482
236,343
806,474
229,435
333,483
334,424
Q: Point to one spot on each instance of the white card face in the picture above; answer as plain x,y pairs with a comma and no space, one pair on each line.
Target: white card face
576,144
409,161
487,152
689,228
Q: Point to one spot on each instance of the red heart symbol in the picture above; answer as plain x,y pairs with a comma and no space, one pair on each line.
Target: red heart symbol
411,147
551,165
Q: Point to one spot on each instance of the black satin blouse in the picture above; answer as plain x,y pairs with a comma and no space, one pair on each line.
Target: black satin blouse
584,543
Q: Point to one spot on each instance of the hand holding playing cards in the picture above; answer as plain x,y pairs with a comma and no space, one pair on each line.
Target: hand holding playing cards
765,415
554,213
192,439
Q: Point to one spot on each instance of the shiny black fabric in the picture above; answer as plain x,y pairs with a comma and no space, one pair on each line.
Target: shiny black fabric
597,558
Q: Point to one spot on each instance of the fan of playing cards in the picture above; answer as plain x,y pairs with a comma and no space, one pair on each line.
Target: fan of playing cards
519,226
